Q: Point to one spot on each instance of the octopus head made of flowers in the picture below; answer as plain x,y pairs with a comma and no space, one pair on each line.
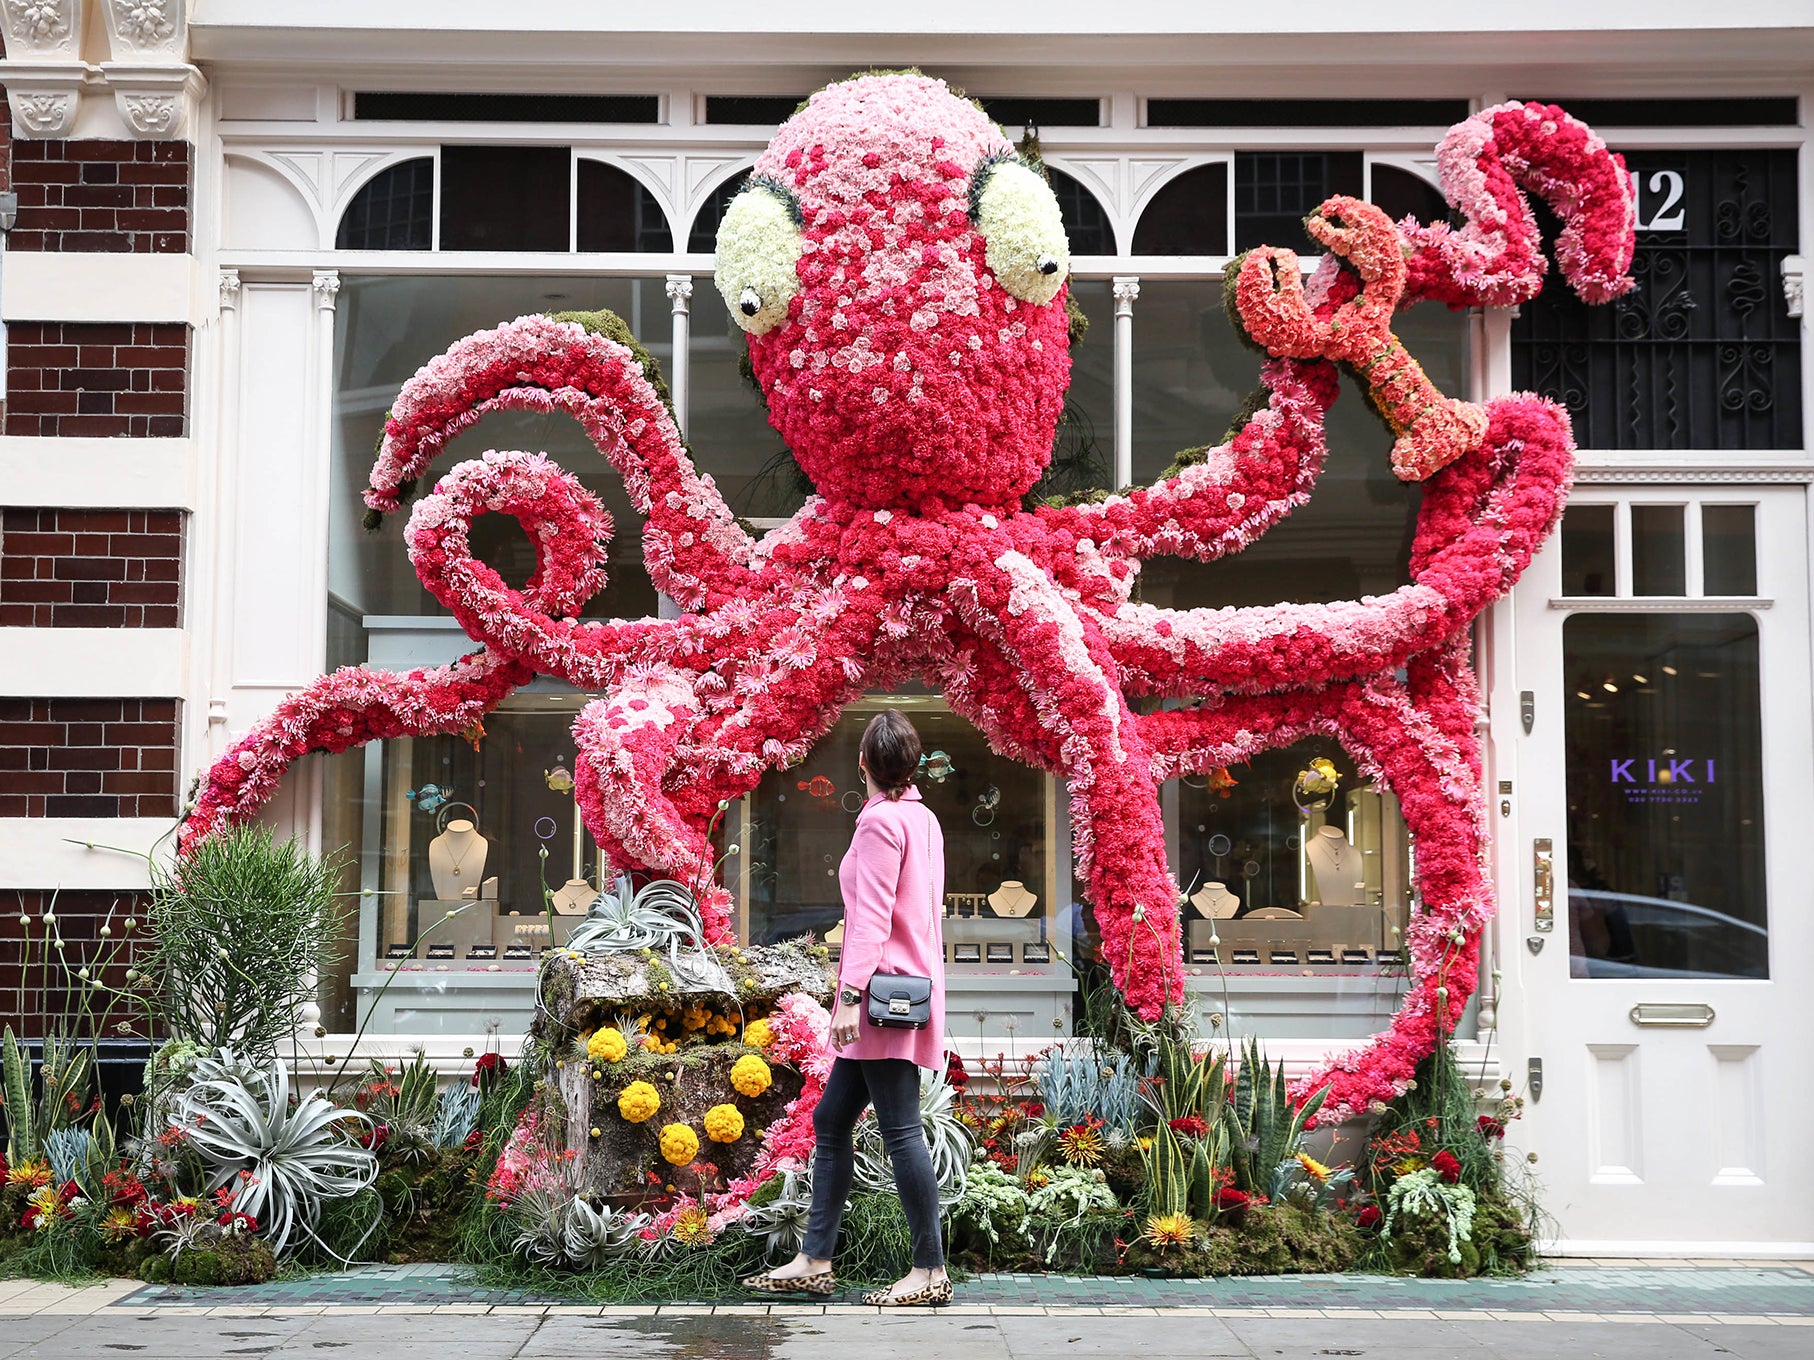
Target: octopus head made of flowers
901,276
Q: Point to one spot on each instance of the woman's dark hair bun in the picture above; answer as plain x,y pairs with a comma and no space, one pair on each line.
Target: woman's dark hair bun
891,752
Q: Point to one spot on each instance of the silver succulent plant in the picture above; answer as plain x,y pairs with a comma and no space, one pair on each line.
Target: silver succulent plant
239,1118
591,1237
663,916
946,1139
781,1222
456,1115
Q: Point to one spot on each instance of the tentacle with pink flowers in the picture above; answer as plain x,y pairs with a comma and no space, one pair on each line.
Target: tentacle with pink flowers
1236,493
1118,837
344,709
1433,768
695,550
1496,258
1482,521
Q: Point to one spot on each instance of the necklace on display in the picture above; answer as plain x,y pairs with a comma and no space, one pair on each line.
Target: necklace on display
457,860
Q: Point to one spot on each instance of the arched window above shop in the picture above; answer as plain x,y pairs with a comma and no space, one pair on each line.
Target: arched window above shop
703,238
618,213
1400,194
394,211
1086,221
1189,216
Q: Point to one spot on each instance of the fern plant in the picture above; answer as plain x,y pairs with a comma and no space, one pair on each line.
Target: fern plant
297,1155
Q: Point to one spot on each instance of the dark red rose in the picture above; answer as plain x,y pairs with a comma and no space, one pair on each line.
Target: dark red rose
1369,1216
1489,1127
1230,1200
1446,1166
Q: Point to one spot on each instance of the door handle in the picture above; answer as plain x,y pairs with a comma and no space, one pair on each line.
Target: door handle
1543,880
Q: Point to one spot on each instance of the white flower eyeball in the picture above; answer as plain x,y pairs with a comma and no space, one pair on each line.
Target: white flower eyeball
1017,213
759,243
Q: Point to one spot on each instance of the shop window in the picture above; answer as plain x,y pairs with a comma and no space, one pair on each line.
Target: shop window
703,238
1664,750
1589,557
1008,932
1191,375
1703,353
1308,113
395,210
423,106
1189,216
506,198
1729,549
1276,190
1016,114
1086,223
1297,876
618,213
1401,194
751,110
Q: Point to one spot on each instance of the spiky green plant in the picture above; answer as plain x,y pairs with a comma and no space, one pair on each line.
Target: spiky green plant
297,1156
21,1124
1264,1125
456,1116
780,1219
239,926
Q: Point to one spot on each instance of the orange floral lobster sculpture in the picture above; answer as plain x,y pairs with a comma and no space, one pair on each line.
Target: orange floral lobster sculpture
901,273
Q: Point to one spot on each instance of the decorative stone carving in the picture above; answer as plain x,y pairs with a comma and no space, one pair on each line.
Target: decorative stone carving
146,27
153,100
43,28
1794,275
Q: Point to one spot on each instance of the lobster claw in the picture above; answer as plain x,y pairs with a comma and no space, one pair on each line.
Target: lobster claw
1270,305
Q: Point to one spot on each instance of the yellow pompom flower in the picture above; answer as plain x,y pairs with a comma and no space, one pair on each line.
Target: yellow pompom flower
723,1124
607,1045
679,1144
757,1034
637,1101
750,1075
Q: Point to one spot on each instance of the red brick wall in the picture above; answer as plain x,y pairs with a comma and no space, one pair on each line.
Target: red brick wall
96,378
91,568
88,757
25,1001
102,195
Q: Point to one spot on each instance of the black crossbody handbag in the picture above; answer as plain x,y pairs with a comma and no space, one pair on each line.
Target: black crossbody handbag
902,1000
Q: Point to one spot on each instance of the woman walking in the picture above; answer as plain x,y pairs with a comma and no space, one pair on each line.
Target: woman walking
893,882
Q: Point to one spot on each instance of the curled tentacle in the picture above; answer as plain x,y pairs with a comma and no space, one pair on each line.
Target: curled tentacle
1482,521
1239,490
695,551
1496,259
1430,760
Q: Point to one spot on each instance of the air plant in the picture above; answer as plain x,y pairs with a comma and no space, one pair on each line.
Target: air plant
781,1221
946,1139
299,1156
662,916
592,1235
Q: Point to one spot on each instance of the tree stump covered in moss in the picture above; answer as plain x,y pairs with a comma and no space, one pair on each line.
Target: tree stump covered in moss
681,1039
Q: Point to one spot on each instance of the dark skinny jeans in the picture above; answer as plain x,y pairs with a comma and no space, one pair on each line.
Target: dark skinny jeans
892,1085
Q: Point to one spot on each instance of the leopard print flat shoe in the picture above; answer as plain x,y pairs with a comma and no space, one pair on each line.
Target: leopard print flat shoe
823,1283
931,1295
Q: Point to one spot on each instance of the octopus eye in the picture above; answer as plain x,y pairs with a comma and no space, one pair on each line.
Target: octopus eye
759,244
1016,212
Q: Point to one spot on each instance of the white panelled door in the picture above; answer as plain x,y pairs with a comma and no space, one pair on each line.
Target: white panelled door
1668,994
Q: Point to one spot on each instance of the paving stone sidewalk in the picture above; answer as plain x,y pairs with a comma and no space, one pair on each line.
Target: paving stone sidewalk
1644,1311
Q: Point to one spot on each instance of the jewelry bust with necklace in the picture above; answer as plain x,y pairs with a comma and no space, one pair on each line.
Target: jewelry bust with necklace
456,859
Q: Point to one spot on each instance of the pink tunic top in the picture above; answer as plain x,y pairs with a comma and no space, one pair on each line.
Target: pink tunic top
893,881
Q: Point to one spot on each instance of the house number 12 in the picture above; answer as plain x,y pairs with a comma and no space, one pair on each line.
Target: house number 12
1660,192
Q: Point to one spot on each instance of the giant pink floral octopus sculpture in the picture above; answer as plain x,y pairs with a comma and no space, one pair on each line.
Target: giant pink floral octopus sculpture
901,274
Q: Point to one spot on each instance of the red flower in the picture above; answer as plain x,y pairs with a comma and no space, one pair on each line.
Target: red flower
375,1137
474,1141
1446,1166
955,1075
489,1067
1230,1200
237,1222
1190,1125
1489,1127
1369,1216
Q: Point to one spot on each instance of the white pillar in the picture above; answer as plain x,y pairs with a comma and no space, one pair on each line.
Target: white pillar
1127,288
226,459
680,293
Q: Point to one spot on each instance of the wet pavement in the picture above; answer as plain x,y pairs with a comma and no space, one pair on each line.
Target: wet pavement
1644,1311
